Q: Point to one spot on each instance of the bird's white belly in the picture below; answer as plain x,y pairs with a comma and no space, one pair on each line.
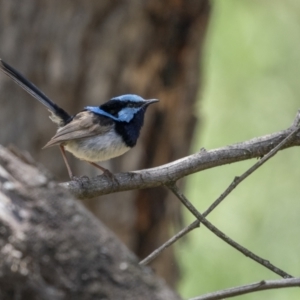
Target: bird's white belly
97,148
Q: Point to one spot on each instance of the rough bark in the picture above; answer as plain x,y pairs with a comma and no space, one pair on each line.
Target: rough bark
84,52
53,248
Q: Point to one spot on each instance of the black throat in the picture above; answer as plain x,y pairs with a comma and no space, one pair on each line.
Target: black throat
130,131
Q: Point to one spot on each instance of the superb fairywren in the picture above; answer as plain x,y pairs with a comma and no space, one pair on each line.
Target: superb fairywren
98,132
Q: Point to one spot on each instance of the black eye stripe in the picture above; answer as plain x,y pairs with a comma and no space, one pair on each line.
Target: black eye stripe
114,106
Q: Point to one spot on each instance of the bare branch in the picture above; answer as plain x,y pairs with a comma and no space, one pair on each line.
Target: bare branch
257,147
221,235
230,188
250,288
171,241
239,179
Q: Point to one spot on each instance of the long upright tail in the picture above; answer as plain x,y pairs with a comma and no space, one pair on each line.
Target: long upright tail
60,116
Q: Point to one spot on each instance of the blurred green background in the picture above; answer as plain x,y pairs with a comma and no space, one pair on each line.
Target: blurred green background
251,71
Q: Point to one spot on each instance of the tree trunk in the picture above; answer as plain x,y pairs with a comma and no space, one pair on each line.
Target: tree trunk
83,53
53,248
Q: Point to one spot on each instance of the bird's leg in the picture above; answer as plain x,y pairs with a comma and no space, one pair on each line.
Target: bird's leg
63,153
106,172
98,166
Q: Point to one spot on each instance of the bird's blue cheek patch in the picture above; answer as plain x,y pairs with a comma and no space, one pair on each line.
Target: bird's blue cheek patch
127,113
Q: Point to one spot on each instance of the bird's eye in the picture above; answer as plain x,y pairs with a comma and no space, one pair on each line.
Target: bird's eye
113,112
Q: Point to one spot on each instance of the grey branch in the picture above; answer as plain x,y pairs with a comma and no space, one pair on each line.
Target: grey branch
223,236
231,187
250,288
171,172
170,242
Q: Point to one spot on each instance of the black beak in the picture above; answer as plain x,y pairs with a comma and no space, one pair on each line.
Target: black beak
150,101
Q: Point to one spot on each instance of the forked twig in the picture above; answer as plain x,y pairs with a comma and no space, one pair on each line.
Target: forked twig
223,236
239,179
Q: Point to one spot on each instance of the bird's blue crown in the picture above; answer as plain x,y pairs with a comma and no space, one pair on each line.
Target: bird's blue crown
129,97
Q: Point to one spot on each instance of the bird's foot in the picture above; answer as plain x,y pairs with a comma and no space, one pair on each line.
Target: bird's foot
106,172
110,175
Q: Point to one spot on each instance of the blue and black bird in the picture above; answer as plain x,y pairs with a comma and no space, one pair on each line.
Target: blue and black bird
97,133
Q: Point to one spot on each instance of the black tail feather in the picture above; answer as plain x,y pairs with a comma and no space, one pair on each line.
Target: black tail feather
34,91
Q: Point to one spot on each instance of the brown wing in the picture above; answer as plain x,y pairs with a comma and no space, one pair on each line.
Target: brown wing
83,125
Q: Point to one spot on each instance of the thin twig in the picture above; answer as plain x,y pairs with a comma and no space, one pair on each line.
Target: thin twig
221,235
250,288
239,179
171,241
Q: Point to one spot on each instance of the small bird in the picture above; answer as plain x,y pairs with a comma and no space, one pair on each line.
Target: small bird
97,133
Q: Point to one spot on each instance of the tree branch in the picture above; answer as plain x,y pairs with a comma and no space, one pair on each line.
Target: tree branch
170,242
231,187
250,288
223,236
239,179
88,188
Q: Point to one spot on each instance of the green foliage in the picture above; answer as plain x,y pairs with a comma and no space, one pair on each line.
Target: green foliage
252,87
